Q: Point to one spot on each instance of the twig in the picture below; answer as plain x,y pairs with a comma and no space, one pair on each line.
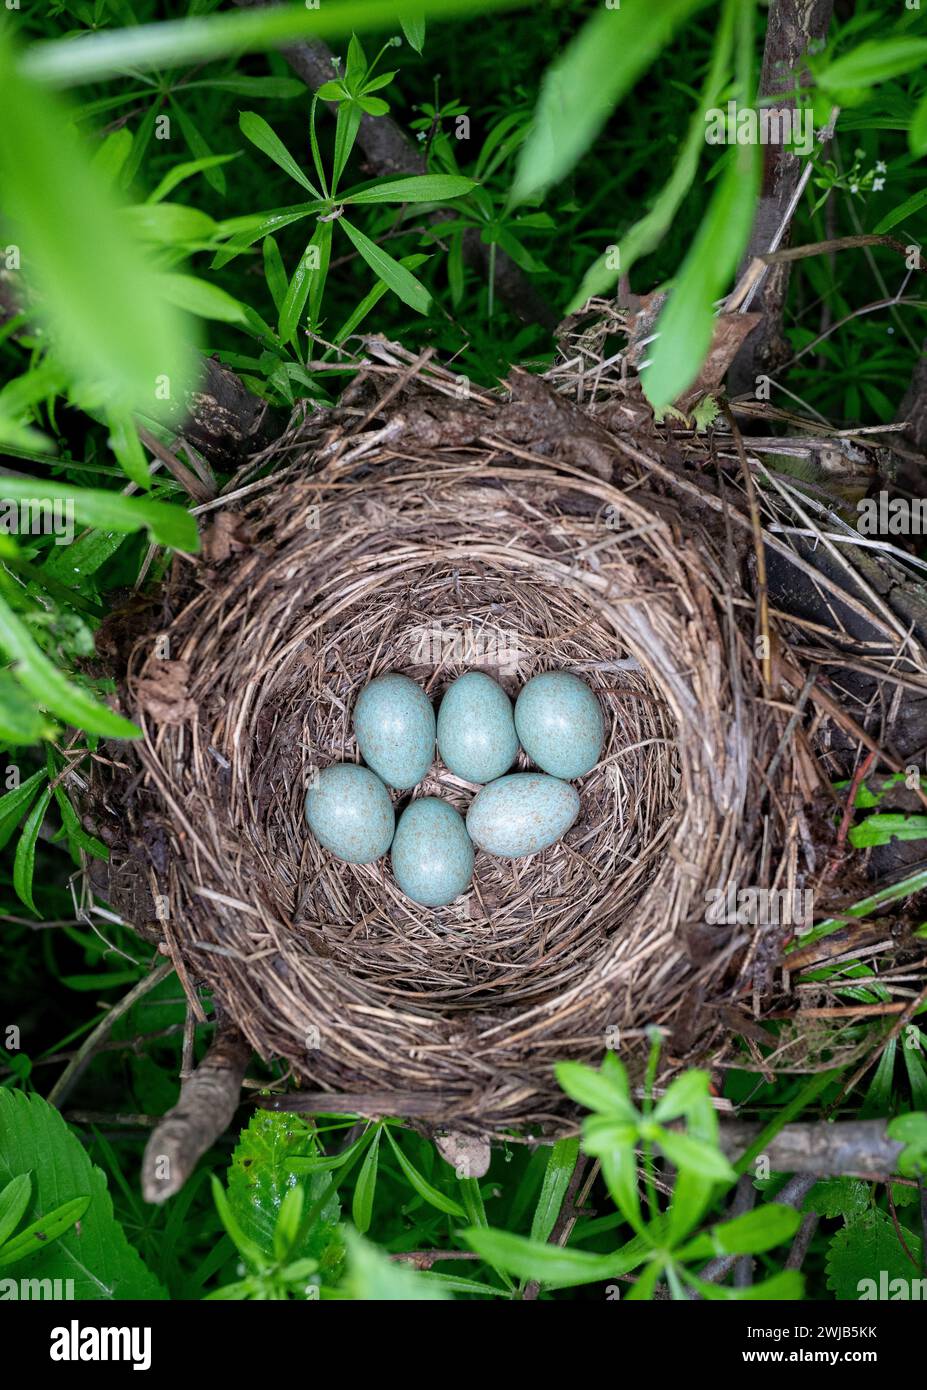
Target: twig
84,1055
208,1100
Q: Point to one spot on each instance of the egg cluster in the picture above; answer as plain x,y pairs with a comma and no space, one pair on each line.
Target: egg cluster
556,720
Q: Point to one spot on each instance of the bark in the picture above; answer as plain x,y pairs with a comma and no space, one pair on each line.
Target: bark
208,1101
792,26
825,1150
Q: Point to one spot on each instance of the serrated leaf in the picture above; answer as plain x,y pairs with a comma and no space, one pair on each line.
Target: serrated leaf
260,1176
49,688
867,1255
833,1197
96,1255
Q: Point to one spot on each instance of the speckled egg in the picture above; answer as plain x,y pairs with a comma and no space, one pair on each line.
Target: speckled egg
350,813
521,814
476,728
394,724
559,724
432,853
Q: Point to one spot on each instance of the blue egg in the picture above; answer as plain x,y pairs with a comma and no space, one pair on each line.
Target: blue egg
521,814
476,728
350,813
559,724
432,853
395,729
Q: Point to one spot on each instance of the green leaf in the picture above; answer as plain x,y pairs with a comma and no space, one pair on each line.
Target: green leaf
50,689
681,1095
393,275
180,172
873,62
362,1206
694,1154
14,802
20,723
127,446
596,1090
97,291
686,324
13,1202
249,1249
24,862
259,227
833,1197
649,230
306,284
917,131
111,511
412,19
420,188
882,828
48,1228
347,124
35,1139
372,298
168,224
549,1264
865,1254
256,129
199,146
371,1277
750,1234
203,298
262,1172
786,1287
902,212
274,272
582,86
183,42
429,1194
274,88
557,1175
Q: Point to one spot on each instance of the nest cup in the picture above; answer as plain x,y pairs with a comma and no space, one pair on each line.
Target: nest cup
451,1016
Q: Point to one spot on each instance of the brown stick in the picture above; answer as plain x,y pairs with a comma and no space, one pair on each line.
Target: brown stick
208,1100
792,27
824,1150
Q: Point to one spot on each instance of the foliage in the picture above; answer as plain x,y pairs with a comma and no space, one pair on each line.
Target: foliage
149,215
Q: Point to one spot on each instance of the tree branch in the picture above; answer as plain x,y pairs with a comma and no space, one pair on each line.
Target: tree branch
208,1100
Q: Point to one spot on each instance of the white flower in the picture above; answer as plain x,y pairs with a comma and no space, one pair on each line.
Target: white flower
854,187
421,135
881,167
878,185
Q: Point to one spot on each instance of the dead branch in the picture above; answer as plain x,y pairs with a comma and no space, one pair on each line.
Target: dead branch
792,27
208,1100
824,1149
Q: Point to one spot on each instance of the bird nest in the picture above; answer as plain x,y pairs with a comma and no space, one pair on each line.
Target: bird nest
395,543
